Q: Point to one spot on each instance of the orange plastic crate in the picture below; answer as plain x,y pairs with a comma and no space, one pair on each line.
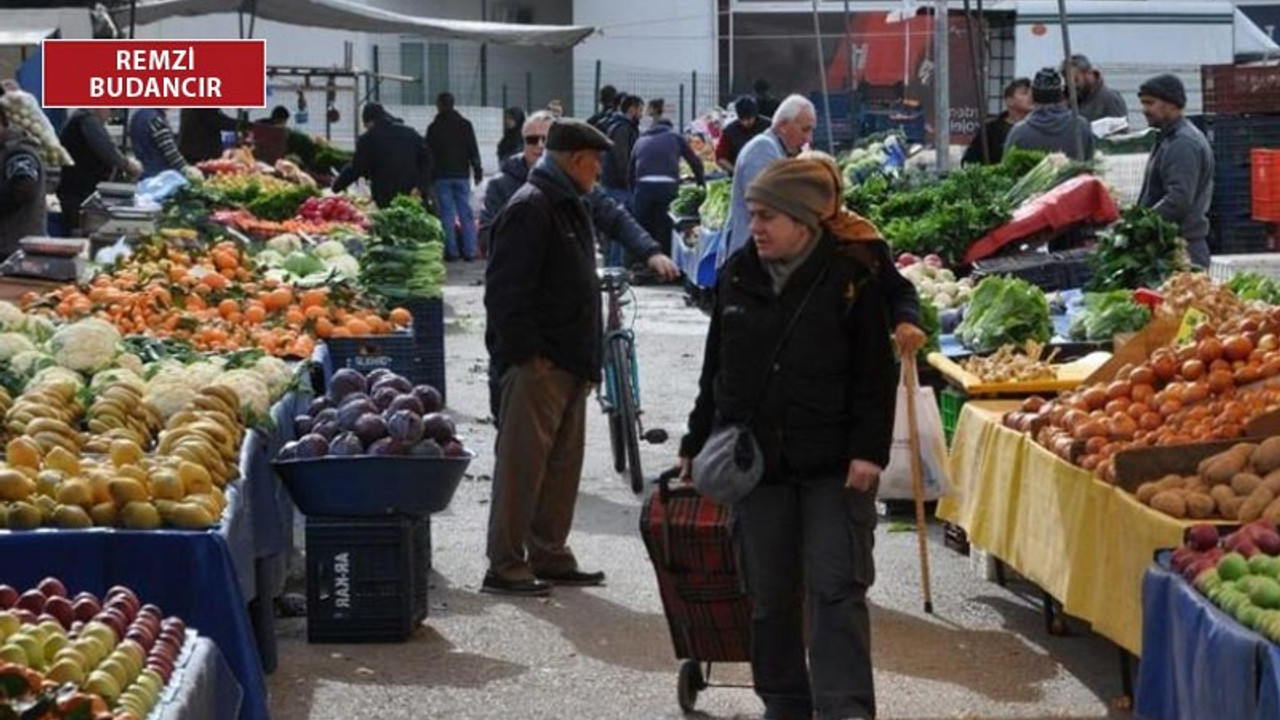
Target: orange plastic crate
1266,184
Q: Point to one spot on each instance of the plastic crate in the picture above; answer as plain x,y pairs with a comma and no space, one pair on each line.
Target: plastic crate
395,352
950,401
1242,237
428,333
1074,267
1234,137
1264,186
1038,268
1221,268
1233,89
366,579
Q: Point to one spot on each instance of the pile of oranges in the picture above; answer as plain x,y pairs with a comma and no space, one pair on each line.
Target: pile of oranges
217,302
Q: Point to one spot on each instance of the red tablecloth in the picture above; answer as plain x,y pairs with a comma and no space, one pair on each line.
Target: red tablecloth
1079,200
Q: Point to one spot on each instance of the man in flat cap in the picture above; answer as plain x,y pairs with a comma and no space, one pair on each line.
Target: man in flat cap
1178,182
542,297
1096,100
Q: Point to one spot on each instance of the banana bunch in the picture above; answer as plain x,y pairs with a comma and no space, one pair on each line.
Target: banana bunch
208,433
6,401
47,413
119,413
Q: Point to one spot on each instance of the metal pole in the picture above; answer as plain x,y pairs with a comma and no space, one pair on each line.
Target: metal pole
693,98
484,59
732,87
595,91
848,39
377,79
681,104
978,82
942,120
822,77
528,90
504,95
133,17
1071,76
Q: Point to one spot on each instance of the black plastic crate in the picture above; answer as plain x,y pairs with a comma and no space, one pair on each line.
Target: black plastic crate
428,332
1233,137
366,578
1242,237
395,352
1037,268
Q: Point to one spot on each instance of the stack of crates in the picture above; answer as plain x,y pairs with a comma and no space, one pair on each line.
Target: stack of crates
366,578
1242,113
428,333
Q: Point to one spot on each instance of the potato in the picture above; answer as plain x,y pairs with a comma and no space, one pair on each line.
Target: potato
1236,451
1272,512
1254,505
1267,456
1245,483
1146,491
1230,509
1170,502
1199,505
1221,493
1272,480
1222,467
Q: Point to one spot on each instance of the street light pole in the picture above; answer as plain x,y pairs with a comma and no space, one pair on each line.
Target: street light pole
942,97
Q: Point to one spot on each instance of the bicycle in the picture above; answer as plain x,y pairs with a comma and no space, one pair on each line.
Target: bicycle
619,394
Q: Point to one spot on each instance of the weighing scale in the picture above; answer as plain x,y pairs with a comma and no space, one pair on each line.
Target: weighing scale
47,258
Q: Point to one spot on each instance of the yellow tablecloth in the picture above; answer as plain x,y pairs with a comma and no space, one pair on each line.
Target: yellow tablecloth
1085,542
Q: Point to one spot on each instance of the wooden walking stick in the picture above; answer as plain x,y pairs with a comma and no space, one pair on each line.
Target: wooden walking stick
917,476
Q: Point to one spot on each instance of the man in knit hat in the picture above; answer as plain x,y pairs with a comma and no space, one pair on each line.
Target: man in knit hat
1051,126
1178,183
823,421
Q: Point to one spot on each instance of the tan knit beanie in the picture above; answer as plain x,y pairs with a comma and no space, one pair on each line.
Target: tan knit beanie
808,188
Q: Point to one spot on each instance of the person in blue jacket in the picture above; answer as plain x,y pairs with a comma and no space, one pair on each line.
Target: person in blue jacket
654,172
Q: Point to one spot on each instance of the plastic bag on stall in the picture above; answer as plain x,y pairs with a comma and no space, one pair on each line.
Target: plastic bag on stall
153,190
895,481
24,112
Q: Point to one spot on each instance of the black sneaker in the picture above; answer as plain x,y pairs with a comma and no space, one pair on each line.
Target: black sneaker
495,585
576,578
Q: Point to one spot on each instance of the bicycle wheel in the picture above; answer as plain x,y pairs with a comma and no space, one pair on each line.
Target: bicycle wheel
627,410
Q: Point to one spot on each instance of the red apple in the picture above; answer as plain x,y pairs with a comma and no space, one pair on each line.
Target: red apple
8,597
141,637
126,592
52,587
1202,537
25,616
61,608
150,609
82,595
174,622
160,665
86,608
46,617
32,600
113,620
125,609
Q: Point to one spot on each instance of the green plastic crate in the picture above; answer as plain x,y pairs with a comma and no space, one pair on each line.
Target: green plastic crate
950,402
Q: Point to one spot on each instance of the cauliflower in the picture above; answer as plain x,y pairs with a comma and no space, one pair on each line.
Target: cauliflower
12,343
274,372
254,396
345,264
166,371
285,243
204,372
87,345
169,396
55,375
116,376
270,258
11,315
330,249
130,362
28,361
37,327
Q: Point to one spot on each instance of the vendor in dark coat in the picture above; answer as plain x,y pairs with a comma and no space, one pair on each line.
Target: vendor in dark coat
97,159
822,414
392,155
1178,182
200,133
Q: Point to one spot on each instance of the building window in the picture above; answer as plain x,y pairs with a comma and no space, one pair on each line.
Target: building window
412,64
438,68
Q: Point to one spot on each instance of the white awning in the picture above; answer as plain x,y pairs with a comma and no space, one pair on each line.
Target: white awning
364,17
10,37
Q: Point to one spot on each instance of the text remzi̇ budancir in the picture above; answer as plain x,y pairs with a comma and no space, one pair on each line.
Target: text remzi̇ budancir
159,87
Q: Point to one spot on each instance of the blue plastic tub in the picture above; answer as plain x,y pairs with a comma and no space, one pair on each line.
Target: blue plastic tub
372,486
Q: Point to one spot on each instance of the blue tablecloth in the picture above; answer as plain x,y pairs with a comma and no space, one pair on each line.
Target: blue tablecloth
1199,663
202,686
191,574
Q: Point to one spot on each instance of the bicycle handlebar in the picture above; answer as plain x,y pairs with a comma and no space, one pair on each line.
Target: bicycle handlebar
612,278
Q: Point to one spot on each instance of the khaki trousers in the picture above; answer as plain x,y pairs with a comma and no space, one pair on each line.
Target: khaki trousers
541,439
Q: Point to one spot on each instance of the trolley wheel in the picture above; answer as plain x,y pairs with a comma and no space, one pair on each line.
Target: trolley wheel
688,683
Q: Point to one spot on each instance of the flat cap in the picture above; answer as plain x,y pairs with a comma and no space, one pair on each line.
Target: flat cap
569,135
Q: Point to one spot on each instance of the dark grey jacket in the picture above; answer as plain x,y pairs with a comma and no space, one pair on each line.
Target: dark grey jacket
1179,179
22,186
1052,128
1103,102
609,217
